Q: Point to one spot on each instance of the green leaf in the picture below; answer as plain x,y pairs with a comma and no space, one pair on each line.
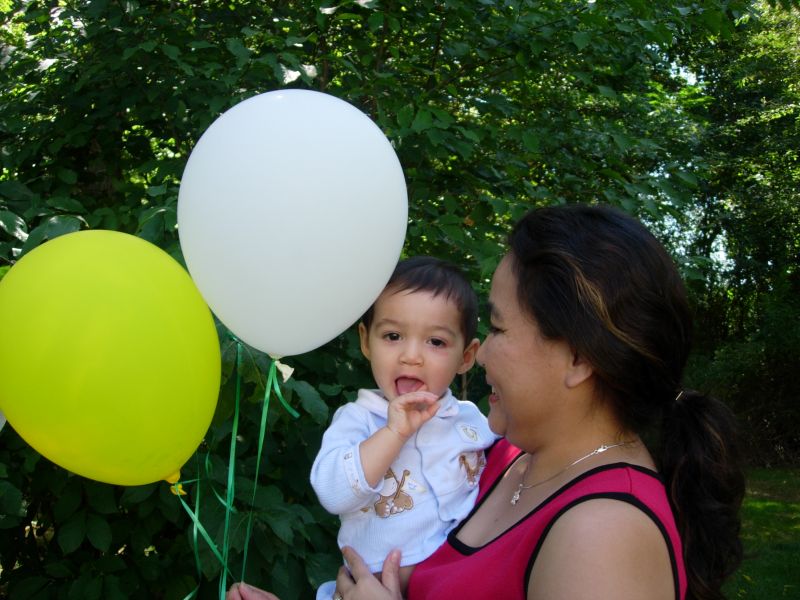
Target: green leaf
66,204
29,589
154,191
98,532
60,225
310,400
622,141
104,217
238,49
687,177
268,497
59,570
581,39
13,225
347,16
713,18
330,389
68,501
172,52
375,20
471,135
14,190
405,116
148,46
101,497
11,505
531,141
86,587
68,176
110,563
322,567
71,534
422,121
42,231
112,589
607,92
282,528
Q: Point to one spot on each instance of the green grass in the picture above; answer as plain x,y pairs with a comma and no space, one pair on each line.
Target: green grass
771,537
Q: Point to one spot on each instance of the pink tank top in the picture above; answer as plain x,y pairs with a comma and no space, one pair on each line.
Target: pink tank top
501,568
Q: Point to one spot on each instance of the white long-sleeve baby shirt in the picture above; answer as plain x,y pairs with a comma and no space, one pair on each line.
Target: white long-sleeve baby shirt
431,486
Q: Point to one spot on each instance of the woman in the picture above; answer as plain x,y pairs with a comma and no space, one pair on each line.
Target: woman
590,332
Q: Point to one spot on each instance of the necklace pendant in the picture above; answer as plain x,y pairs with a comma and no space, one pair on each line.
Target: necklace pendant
515,497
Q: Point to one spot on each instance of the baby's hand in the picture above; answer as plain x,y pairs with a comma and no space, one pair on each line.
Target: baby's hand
409,412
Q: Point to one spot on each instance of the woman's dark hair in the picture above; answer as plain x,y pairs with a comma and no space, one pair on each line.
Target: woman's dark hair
428,274
597,279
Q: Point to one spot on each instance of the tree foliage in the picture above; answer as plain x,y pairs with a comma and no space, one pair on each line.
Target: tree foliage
751,212
492,106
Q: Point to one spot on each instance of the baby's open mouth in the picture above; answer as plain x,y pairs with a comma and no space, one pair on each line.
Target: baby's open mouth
406,385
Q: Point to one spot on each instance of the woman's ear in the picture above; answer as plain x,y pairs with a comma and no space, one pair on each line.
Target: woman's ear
363,336
470,351
579,371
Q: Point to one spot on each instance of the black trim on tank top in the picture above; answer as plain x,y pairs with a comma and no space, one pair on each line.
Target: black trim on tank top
467,550
622,497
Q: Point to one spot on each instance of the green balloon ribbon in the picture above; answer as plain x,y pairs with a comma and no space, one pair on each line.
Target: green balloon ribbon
272,386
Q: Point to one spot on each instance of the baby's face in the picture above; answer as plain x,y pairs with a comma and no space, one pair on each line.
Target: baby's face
415,343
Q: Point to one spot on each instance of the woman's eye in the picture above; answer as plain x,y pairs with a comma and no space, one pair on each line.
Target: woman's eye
494,329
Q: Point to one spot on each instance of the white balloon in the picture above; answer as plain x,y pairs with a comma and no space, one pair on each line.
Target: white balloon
292,214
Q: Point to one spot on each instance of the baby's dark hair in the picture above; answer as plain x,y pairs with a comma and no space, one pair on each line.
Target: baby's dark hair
429,274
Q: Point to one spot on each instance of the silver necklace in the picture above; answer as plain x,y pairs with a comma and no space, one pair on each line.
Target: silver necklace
522,487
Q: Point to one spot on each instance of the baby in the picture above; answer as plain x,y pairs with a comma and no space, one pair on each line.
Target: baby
401,464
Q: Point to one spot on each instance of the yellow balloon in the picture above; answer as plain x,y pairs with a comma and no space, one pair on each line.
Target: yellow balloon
109,358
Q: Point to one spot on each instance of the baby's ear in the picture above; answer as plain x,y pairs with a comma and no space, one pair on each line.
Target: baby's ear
363,336
470,351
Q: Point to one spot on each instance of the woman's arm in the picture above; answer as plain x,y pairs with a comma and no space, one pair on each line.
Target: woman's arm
602,549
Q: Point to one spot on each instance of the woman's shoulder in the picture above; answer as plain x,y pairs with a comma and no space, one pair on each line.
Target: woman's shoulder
607,541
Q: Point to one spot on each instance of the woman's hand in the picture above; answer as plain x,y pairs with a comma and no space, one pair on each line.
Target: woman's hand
360,584
242,591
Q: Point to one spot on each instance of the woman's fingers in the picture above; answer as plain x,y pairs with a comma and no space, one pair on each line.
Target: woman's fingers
344,582
358,583
233,593
358,567
242,591
390,575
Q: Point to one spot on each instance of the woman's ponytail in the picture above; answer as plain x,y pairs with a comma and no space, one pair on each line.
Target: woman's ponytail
701,465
